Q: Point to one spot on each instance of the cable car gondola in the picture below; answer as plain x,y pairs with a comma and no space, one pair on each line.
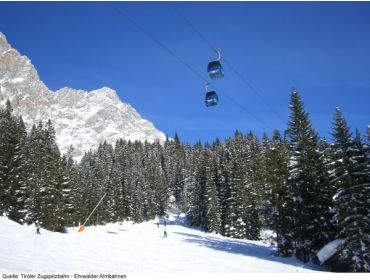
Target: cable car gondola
214,69
211,97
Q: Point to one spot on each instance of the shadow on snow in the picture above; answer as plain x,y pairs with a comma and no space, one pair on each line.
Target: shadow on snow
243,248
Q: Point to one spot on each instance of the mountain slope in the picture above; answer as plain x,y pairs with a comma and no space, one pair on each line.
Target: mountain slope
82,119
139,248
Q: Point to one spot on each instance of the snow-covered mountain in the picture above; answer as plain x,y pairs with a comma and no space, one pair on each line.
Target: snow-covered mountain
82,119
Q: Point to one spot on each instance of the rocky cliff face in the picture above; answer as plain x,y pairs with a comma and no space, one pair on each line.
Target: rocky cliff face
82,119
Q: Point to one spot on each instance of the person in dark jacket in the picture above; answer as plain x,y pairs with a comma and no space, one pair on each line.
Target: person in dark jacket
165,234
38,227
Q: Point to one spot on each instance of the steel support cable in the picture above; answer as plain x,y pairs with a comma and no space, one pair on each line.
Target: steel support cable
241,106
172,53
139,27
210,45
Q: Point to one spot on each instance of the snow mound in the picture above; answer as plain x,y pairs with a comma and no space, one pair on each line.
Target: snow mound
329,250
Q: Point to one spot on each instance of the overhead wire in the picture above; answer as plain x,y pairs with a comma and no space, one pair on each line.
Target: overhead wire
187,65
236,72
139,27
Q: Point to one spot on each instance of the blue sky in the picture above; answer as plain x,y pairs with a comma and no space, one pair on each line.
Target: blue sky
320,48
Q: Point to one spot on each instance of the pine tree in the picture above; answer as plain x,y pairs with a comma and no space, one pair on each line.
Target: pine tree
329,228
211,201
196,210
12,168
71,193
254,188
35,164
356,225
304,180
235,226
223,185
189,180
351,177
8,144
20,173
276,160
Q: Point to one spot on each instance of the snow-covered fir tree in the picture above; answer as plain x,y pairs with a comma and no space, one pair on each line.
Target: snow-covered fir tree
233,188
305,183
351,178
211,203
12,164
276,158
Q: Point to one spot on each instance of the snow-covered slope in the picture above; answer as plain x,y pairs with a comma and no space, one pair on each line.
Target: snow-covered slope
138,248
82,119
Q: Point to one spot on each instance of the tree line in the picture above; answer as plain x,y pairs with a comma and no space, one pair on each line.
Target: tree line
307,190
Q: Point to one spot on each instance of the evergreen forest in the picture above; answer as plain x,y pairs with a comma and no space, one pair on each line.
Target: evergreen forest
308,190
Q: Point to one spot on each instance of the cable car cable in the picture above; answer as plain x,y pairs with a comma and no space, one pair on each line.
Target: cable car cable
210,45
134,23
172,53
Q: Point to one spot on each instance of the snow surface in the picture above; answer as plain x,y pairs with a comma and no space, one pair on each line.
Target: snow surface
17,80
136,248
329,250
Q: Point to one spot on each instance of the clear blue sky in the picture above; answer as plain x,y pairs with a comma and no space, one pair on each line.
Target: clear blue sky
320,48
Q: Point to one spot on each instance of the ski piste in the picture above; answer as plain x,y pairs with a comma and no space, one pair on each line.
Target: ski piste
137,248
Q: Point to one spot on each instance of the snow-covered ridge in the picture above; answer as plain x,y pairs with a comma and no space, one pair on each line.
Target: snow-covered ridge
82,119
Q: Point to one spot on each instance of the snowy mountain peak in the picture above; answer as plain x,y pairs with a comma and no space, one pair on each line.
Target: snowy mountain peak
106,93
4,46
82,119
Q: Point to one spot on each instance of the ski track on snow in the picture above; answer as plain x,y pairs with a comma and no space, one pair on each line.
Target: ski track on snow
136,248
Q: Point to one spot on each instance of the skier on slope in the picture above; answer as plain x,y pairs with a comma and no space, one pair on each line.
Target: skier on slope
38,227
164,234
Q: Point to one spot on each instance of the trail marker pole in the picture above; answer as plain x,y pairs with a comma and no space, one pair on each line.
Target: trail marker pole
83,225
